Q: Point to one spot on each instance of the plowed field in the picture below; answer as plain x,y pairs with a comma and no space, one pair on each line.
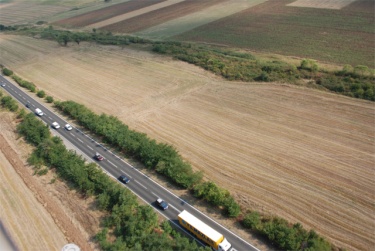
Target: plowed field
105,13
162,15
302,154
344,36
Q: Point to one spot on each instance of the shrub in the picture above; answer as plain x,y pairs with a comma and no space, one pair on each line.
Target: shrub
7,72
41,94
49,99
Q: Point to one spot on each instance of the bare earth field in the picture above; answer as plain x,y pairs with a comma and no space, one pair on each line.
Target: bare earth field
344,36
161,15
36,214
305,155
105,13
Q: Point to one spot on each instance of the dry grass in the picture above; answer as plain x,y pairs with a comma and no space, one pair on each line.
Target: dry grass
302,154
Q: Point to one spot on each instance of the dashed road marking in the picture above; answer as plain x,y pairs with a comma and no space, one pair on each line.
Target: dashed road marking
80,140
112,163
140,184
90,147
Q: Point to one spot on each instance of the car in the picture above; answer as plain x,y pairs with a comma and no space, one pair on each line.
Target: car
3,84
162,204
124,179
55,125
68,127
39,112
27,105
99,157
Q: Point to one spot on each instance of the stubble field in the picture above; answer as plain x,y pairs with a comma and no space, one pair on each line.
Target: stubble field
302,154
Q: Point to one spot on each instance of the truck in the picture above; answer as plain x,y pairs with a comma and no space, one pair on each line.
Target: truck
203,232
38,112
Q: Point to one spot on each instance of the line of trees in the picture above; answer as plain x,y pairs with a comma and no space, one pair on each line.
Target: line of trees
128,225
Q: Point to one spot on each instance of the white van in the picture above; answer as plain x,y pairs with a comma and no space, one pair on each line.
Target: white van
38,112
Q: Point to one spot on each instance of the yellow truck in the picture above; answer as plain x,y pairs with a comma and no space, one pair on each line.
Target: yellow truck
203,232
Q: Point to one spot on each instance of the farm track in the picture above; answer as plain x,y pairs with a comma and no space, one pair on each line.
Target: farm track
302,154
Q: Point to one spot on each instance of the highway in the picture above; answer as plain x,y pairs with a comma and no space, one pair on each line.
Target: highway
140,184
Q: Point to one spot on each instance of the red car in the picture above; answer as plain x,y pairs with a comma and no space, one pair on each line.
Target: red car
98,156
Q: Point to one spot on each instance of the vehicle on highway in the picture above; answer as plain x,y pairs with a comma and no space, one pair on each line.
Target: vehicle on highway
27,105
39,112
162,204
203,232
99,157
124,179
3,84
68,127
55,125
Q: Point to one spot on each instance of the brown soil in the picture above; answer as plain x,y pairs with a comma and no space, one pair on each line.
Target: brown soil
37,213
302,154
105,13
162,15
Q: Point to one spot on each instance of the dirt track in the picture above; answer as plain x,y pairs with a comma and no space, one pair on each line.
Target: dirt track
302,154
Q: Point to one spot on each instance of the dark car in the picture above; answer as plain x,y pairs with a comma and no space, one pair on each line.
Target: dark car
162,204
99,157
28,105
124,179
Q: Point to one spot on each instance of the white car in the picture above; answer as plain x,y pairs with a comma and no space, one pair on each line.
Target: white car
55,125
68,127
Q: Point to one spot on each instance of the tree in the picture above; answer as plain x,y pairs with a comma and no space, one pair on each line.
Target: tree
64,38
41,94
7,72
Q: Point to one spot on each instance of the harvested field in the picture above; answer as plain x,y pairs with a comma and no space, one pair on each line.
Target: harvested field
343,36
161,15
26,12
322,4
305,155
105,13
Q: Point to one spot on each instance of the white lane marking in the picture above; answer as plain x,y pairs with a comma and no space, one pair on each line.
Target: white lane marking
90,147
72,134
80,140
140,184
49,117
24,98
16,92
112,163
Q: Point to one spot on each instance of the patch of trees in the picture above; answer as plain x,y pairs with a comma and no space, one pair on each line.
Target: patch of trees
358,81
23,83
9,103
284,235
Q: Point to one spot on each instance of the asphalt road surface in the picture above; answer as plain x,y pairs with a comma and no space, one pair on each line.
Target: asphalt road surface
141,185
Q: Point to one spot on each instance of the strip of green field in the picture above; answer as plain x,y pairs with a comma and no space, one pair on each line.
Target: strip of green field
340,36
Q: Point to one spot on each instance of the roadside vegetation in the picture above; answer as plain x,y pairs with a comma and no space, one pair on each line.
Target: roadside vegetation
128,225
353,81
162,158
